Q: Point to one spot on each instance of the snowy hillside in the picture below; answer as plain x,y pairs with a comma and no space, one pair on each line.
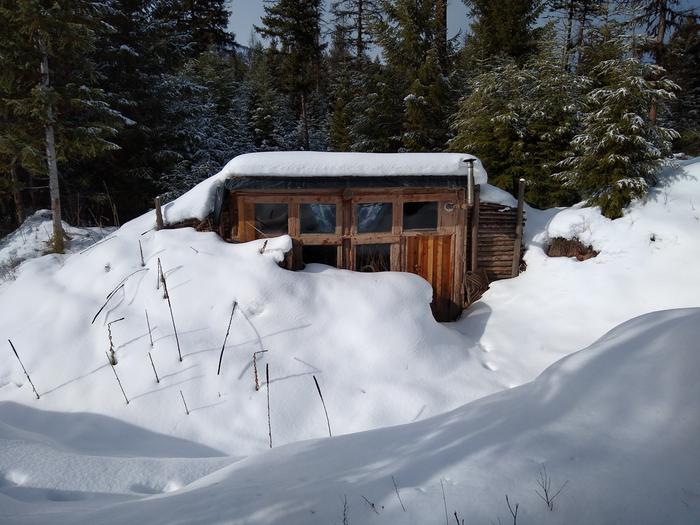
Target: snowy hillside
380,360
615,425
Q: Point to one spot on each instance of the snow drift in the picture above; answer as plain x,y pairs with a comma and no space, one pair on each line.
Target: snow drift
617,423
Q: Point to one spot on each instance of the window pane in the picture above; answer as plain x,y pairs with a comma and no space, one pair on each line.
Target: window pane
271,218
317,218
320,254
373,257
420,215
374,217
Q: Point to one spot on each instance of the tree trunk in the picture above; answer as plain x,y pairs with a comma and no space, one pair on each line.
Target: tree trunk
305,123
567,44
658,51
441,37
360,44
51,160
16,197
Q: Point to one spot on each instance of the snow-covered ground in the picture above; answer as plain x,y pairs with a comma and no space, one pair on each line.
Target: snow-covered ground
595,419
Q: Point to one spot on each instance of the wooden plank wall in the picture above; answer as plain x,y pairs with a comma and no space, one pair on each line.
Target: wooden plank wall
496,237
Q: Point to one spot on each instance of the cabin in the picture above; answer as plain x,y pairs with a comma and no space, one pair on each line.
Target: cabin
431,214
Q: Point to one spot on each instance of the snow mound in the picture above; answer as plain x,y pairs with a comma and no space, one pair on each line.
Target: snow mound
32,239
615,425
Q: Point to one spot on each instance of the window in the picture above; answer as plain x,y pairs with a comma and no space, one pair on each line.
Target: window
373,257
420,215
317,218
271,218
374,217
320,254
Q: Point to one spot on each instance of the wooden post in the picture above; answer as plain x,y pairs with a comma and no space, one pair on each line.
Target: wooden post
470,182
159,215
518,229
475,231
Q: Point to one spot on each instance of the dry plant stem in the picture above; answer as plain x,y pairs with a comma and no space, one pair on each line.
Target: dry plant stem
143,263
148,324
170,307
23,369
187,410
318,389
118,381
267,382
371,505
228,330
544,481
513,513
264,246
345,509
255,368
114,291
154,367
444,502
396,489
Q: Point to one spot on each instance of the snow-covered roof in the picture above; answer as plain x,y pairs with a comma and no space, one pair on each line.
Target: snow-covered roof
331,164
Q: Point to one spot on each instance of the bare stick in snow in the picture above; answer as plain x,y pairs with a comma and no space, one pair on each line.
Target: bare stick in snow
148,323
170,307
345,509
23,369
223,346
264,246
118,381
267,382
114,291
396,489
107,301
371,505
194,250
143,263
544,481
112,354
255,368
154,367
187,410
513,513
457,519
159,214
444,501
318,388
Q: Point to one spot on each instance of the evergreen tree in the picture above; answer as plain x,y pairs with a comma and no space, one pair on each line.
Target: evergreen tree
682,60
352,21
519,120
296,25
206,22
620,149
50,82
427,108
505,28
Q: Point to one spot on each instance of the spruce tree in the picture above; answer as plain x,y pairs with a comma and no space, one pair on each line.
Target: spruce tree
616,156
50,83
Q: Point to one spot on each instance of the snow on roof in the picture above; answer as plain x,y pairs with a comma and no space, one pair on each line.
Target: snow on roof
198,203
317,163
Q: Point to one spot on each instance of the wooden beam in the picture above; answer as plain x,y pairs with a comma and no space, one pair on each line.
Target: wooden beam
475,231
515,270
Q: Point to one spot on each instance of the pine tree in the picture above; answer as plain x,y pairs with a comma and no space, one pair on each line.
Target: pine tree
682,60
427,108
352,21
620,149
505,28
47,60
296,25
206,22
519,120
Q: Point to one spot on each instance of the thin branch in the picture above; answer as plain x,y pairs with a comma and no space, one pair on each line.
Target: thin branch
223,346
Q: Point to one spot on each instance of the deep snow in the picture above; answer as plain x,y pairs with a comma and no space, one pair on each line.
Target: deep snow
370,340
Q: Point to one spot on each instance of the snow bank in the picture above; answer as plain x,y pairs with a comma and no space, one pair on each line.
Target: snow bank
198,203
615,425
32,238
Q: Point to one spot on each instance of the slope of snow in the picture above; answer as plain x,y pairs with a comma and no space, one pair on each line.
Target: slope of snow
615,425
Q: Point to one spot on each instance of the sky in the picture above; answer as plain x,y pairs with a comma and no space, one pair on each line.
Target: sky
246,13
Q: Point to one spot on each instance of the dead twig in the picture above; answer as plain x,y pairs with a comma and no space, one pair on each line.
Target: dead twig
23,369
513,513
396,489
544,481
170,307
371,505
267,382
264,246
255,368
112,354
187,410
117,376
148,323
223,346
154,368
444,502
318,389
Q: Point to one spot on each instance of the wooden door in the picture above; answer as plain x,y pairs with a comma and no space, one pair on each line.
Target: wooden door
431,257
